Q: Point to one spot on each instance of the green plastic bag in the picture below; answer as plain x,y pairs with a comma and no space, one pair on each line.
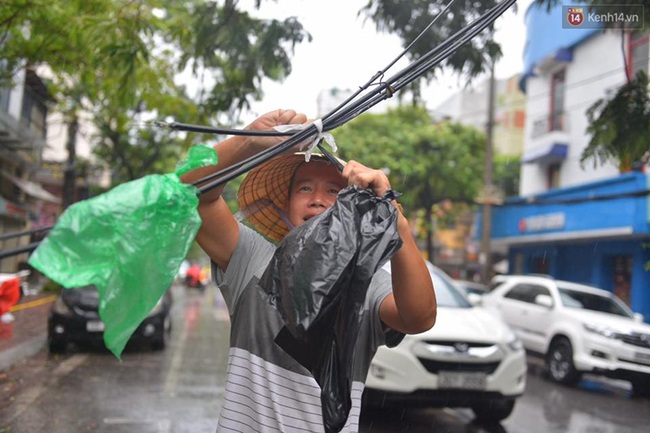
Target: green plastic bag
128,242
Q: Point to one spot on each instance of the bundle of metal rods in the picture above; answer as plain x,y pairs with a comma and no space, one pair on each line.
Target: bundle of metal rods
356,104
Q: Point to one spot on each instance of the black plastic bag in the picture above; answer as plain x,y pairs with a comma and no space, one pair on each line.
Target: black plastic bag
318,279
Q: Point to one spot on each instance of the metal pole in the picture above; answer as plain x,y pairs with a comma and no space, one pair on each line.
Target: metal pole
486,253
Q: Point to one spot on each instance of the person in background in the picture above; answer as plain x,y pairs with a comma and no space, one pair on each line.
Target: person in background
193,276
266,389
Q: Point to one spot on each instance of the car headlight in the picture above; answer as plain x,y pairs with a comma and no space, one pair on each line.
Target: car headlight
60,307
513,342
604,331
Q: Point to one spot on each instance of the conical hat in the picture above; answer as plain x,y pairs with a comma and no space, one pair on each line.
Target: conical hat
264,194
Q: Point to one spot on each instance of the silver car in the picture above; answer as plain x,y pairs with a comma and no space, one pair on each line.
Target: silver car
470,358
576,328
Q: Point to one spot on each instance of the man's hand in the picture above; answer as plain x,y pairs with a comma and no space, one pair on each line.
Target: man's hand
272,119
364,177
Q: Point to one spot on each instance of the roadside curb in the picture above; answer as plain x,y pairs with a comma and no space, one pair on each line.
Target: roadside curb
14,354
26,335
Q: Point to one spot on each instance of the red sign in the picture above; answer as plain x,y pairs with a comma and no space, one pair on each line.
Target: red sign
11,209
522,225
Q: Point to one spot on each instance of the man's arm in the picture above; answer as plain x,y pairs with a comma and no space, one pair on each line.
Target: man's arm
411,308
219,232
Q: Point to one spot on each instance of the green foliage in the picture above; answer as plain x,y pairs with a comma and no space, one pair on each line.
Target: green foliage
620,127
232,47
433,165
506,172
428,162
122,62
407,19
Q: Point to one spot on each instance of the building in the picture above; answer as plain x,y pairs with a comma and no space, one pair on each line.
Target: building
33,161
23,131
591,223
470,107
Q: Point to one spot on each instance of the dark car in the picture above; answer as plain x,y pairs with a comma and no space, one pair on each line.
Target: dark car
74,318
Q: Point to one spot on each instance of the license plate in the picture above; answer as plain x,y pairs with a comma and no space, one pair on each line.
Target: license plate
452,379
642,357
95,326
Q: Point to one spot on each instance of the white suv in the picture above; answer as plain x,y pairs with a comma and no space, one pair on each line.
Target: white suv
470,358
577,328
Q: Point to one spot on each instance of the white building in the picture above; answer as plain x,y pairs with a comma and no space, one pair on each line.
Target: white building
470,107
566,71
577,222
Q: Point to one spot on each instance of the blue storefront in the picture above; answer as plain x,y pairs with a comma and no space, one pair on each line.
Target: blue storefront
596,233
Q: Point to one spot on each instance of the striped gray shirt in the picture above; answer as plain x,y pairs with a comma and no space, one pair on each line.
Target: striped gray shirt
266,389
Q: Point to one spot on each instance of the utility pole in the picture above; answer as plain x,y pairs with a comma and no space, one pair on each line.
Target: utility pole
70,174
486,253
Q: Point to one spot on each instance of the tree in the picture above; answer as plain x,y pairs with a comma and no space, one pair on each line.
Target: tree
620,127
506,174
120,61
428,163
408,19
232,49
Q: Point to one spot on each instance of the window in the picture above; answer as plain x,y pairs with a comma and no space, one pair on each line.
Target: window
34,112
4,99
591,301
639,53
553,176
623,278
526,293
557,101
520,119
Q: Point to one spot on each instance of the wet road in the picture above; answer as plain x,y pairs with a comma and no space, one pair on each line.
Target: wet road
179,390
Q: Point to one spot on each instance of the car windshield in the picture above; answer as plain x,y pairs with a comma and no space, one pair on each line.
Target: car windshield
593,302
446,293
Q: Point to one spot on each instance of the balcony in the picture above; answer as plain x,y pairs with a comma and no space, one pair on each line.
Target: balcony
550,123
23,112
549,140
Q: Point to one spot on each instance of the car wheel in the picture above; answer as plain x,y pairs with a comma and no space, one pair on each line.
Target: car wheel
56,346
159,341
494,410
559,361
641,388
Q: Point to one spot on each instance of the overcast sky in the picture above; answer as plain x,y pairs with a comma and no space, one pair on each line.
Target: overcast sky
346,51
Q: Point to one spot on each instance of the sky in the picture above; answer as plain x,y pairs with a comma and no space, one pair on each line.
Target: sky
347,51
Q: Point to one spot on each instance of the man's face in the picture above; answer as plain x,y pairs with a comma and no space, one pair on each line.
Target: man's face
314,189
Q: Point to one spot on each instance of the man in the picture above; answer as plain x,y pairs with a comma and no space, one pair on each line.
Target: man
267,390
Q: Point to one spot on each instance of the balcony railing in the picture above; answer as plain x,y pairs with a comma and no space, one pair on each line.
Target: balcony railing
549,123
